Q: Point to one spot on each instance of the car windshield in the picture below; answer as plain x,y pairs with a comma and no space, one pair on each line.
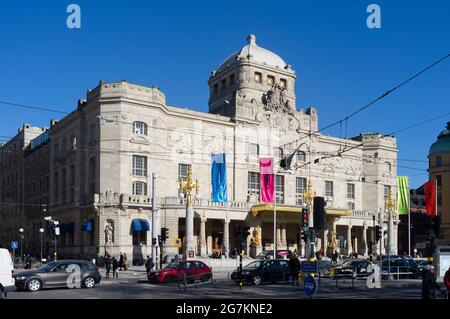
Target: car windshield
352,263
253,265
172,266
49,266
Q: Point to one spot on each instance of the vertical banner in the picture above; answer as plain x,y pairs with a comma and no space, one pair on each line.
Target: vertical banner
402,195
266,180
219,178
430,197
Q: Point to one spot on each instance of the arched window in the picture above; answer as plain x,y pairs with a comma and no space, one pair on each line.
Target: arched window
140,128
140,188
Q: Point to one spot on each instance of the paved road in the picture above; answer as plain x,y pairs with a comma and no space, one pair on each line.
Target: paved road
133,285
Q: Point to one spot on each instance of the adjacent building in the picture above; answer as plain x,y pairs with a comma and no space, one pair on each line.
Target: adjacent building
92,169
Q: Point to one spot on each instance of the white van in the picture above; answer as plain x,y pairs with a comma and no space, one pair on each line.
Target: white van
7,282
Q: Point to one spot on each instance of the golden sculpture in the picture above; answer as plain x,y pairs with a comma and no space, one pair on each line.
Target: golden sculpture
257,236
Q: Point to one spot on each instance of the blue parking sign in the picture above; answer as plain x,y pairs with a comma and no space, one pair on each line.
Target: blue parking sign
14,244
310,286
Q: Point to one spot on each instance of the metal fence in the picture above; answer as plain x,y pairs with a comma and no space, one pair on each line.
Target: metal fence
185,281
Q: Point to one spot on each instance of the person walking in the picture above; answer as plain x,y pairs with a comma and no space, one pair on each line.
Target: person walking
428,283
294,265
148,265
335,257
108,263
115,265
121,261
125,261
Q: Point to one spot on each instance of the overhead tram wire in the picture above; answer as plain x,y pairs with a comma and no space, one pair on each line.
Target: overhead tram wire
34,107
414,76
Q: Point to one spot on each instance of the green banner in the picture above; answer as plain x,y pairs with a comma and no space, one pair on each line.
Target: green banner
402,195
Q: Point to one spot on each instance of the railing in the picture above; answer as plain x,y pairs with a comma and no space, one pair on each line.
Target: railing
395,272
185,281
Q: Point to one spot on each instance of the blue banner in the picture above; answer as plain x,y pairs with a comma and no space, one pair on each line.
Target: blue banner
219,178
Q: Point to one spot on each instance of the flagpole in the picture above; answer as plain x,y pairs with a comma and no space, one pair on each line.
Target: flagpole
409,232
274,227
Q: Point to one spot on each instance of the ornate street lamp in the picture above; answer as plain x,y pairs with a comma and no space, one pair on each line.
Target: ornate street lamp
41,235
308,197
21,230
389,208
189,188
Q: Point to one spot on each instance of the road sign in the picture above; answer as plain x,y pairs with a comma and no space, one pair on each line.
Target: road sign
309,266
177,242
14,244
310,286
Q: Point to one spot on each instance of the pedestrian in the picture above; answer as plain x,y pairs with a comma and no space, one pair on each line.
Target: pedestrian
125,262
28,262
428,283
334,258
294,265
115,265
148,265
447,280
121,261
108,263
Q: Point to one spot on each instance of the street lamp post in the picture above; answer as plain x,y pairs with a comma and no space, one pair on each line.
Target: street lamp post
309,198
390,206
188,187
41,235
21,242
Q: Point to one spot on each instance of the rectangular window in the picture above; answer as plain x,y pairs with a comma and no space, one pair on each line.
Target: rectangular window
216,89
183,171
439,180
56,181
300,189
301,156
283,83
139,165
270,80
223,84
140,188
63,179
387,189
140,128
351,191
254,149
258,77
439,199
92,168
438,161
231,79
329,189
253,184
351,205
279,189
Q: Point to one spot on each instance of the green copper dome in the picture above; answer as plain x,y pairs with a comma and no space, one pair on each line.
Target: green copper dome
442,145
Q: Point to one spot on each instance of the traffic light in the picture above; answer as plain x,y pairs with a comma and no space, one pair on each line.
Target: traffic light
319,212
245,232
159,239
305,218
153,241
436,225
377,233
164,234
304,235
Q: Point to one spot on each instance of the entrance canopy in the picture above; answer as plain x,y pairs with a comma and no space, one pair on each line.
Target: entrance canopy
138,225
268,208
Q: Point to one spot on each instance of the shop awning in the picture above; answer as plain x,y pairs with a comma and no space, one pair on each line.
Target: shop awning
336,212
268,208
88,226
140,225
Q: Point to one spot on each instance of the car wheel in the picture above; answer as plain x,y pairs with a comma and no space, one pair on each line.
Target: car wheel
34,285
256,280
89,282
169,279
205,278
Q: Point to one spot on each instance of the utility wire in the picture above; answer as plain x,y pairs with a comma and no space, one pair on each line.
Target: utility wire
33,107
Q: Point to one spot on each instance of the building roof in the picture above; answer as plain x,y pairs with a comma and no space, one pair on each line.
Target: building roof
442,145
257,53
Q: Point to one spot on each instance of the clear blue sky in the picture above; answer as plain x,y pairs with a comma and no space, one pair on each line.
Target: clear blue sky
340,63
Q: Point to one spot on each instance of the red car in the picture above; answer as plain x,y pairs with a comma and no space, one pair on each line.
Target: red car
176,271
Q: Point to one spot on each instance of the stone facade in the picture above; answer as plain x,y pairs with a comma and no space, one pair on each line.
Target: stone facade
96,172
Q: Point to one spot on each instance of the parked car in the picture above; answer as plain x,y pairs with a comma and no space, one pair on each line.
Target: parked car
260,271
399,268
324,267
6,273
268,254
56,274
422,264
352,268
192,269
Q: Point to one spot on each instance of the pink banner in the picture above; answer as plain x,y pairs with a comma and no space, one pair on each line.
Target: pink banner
266,180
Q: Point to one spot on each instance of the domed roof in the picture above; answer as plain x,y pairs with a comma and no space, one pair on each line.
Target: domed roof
257,53
442,145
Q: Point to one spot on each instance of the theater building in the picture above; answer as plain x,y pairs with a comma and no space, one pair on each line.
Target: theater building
101,156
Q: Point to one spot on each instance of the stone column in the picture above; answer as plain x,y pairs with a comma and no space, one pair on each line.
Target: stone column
325,240
203,252
278,237
365,245
349,238
283,235
226,236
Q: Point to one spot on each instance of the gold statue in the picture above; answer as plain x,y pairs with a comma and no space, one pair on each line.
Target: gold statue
257,236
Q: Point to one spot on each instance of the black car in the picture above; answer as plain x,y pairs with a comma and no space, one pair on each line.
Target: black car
260,271
281,254
399,268
64,273
352,268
